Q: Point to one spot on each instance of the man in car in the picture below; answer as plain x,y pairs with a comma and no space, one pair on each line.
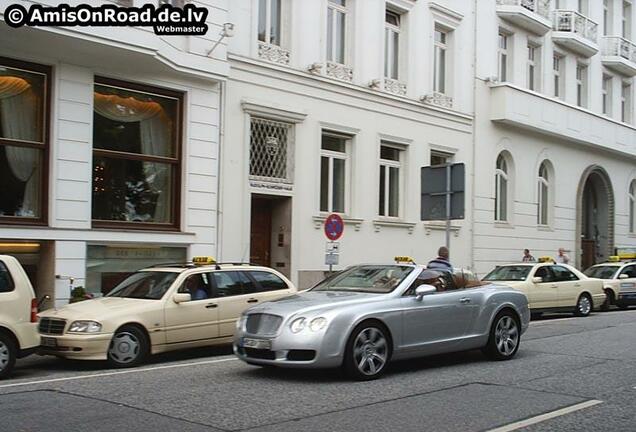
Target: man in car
441,262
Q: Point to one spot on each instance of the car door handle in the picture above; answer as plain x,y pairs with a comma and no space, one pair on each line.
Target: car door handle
577,285
554,286
464,300
252,300
210,306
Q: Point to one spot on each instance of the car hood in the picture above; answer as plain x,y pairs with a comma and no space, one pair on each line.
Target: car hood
313,301
97,308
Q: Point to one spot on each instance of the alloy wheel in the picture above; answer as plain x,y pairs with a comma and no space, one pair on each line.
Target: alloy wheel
584,306
506,335
370,351
5,355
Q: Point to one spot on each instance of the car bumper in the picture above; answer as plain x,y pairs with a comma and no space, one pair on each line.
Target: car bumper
80,347
598,300
287,350
627,298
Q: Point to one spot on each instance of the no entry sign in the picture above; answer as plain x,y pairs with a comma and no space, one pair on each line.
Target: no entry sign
334,226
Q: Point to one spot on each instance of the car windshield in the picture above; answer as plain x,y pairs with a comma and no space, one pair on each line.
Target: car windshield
508,273
151,285
601,272
378,279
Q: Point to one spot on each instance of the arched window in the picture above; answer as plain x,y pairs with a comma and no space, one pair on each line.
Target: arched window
501,189
632,207
543,197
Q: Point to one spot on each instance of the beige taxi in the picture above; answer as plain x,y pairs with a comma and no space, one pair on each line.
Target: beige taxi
551,287
18,314
619,279
160,309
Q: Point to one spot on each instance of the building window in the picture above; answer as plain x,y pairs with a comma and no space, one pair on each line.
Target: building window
136,154
501,189
440,65
336,30
557,62
533,72
627,20
271,153
24,120
543,183
581,85
632,207
626,103
390,163
440,158
582,7
391,44
269,21
607,95
334,161
503,57
175,3
607,17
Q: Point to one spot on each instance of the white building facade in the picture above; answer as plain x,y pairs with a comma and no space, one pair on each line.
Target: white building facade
334,106
108,149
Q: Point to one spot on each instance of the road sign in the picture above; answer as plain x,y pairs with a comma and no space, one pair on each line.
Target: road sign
332,247
435,190
331,259
334,227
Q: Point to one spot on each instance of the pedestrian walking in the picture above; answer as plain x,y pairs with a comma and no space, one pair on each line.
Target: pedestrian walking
442,261
562,257
527,257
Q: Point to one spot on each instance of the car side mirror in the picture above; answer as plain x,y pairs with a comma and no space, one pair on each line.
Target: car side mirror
181,298
623,276
537,279
423,290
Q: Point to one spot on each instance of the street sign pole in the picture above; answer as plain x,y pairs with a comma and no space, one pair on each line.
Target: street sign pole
448,205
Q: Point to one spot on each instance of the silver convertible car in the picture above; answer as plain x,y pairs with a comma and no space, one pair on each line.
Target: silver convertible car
367,315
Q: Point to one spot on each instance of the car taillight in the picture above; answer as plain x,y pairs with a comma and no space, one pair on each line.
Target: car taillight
34,310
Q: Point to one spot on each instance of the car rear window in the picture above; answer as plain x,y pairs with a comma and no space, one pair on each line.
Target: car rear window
268,281
6,282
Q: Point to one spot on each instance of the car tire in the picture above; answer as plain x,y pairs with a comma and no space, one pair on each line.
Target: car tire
8,354
583,306
609,300
504,338
129,347
622,306
368,351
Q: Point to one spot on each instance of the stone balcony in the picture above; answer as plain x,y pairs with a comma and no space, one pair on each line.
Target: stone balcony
521,108
575,32
532,15
619,54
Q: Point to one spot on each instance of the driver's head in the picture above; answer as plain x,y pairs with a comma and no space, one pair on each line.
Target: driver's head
431,277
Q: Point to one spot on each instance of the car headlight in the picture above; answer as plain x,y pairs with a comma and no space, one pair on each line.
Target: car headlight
317,324
85,327
298,324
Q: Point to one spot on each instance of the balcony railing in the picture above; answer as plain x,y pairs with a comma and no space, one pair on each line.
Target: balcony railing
574,22
540,7
620,47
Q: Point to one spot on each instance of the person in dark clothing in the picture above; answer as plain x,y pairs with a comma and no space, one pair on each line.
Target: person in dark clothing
441,262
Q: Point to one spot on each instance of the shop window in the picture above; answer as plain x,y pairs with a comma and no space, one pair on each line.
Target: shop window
136,161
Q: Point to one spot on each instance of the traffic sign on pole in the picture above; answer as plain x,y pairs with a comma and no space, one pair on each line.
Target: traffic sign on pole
334,227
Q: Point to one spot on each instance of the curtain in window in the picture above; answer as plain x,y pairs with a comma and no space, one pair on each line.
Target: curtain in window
18,116
155,140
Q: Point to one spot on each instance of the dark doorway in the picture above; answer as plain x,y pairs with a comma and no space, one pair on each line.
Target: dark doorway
261,231
597,219
270,236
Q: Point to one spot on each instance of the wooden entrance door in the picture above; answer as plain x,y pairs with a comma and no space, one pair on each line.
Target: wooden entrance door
261,232
588,253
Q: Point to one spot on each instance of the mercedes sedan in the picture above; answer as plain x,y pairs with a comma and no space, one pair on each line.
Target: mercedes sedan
368,315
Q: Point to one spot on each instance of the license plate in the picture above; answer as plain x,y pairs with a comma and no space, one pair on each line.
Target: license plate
257,343
48,342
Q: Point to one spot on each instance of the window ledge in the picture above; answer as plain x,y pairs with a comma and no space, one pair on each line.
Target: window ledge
546,228
319,221
503,224
379,223
441,226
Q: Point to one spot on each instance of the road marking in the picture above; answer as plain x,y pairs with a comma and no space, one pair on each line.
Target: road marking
127,371
549,321
547,416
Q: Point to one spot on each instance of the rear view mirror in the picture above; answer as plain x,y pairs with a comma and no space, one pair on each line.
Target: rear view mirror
537,279
181,298
623,276
423,290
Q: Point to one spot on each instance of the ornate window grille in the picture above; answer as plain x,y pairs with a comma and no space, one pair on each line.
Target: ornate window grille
271,151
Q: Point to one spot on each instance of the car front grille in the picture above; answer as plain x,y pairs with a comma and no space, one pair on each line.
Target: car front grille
263,324
52,326
260,354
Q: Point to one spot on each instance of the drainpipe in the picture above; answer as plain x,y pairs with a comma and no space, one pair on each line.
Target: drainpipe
220,182
474,142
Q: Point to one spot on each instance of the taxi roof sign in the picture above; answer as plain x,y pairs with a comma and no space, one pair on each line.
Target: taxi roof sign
546,259
404,259
203,260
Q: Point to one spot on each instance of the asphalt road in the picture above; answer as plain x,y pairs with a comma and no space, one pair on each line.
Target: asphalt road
579,374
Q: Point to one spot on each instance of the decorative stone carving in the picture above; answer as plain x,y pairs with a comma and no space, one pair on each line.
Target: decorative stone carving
395,87
273,53
339,71
439,99
376,84
315,68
